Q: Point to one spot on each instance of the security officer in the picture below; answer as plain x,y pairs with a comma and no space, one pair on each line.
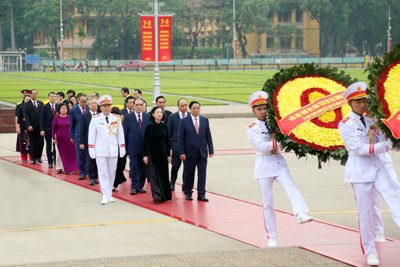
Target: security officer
270,166
365,169
106,137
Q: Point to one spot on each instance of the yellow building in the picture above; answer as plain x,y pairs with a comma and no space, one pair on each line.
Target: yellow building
291,32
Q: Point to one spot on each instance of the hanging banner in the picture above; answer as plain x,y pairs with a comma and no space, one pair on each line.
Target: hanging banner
147,34
164,38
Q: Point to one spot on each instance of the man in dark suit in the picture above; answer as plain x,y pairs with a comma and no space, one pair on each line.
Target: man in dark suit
129,106
134,125
91,167
74,132
195,145
32,111
174,122
160,102
124,94
46,121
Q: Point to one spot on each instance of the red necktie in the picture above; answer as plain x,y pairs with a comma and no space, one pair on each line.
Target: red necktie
52,109
83,110
139,121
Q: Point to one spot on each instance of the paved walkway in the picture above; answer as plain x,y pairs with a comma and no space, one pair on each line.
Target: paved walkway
48,222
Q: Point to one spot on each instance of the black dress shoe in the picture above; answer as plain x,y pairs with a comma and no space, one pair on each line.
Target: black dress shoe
92,182
202,198
133,192
189,197
172,187
50,166
40,161
33,162
141,190
82,177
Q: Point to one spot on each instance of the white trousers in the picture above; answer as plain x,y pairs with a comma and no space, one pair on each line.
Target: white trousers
366,205
59,164
266,188
106,168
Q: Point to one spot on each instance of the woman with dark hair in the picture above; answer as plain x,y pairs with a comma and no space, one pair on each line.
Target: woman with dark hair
156,154
119,173
72,100
60,132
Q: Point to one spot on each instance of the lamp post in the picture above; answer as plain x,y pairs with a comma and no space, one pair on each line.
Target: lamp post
389,37
156,84
61,37
234,31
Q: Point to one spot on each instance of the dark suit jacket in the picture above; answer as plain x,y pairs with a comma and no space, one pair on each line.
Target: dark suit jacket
124,112
167,114
84,129
46,118
133,134
173,129
75,117
32,115
190,142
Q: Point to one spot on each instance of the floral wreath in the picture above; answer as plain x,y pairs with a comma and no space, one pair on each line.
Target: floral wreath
384,89
290,90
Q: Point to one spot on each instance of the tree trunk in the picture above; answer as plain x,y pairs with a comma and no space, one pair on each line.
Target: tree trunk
1,39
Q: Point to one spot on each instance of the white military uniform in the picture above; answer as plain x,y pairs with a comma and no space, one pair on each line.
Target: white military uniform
270,167
367,173
105,141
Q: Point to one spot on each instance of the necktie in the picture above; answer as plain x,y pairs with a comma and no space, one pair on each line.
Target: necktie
183,115
35,104
196,125
131,111
107,120
268,128
83,111
139,121
363,121
52,109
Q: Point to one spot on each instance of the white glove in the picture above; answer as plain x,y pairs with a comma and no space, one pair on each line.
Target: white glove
389,144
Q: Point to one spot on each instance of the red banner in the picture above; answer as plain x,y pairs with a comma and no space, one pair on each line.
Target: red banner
164,38
393,123
147,34
311,111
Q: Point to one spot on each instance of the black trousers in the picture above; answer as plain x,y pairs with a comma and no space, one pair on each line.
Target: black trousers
190,165
50,149
176,164
36,144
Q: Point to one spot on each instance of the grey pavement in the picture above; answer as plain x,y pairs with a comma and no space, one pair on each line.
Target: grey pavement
48,222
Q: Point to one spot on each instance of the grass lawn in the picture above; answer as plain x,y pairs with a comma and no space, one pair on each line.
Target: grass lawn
230,86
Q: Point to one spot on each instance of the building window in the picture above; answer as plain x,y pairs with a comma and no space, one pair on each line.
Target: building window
284,16
299,41
270,42
299,16
91,30
285,42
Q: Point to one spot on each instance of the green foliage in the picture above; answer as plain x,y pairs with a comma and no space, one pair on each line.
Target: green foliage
375,70
281,77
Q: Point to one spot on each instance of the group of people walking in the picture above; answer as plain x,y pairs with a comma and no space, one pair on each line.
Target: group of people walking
94,139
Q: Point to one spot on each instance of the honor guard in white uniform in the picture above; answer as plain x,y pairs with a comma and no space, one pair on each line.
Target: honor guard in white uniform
105,140
270,166
366,168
